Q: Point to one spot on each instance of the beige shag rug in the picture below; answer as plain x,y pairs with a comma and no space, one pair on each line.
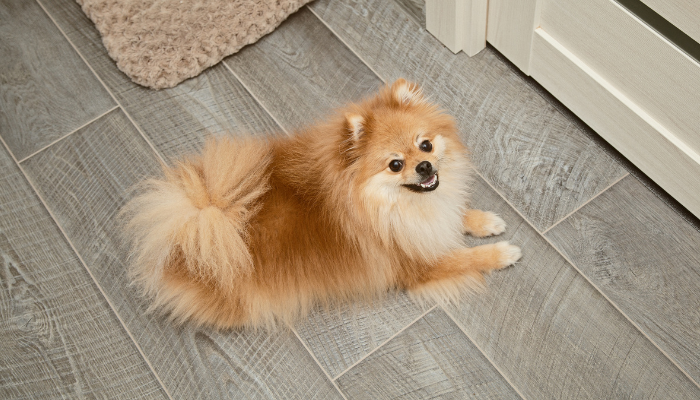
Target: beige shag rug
160,43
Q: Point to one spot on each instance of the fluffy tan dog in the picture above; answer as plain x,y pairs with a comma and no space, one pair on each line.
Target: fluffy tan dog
255,232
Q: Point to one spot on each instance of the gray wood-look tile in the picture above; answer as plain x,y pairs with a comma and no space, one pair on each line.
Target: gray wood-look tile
430,359
59,337
415,9
85,179
646,259
342,335
541,323
175,120
546,166
301,72
46,90
552,334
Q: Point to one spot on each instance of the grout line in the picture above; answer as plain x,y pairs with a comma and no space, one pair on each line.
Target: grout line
523,217
622,312
576,268
263,105
507,201
461,328
114,309
272,116
587,201
65,136
99,287
238,78
385,342
143,136
317,362
531,225
160,157
346,44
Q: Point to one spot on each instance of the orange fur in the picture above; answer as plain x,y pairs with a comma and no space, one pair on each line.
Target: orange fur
483,223
254,232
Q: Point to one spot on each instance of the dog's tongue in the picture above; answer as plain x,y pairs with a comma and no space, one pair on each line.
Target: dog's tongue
429,181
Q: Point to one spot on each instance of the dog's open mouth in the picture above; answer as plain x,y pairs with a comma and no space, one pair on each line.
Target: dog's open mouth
427,185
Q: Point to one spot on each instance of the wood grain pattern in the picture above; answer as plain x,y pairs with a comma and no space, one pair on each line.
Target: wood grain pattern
431,359
84,180
59,337
415,9
630,56
301,72
177,138
46,90
459,24
644,257
544,164
342,335
446,20
650,146
510,27
175,120
553,335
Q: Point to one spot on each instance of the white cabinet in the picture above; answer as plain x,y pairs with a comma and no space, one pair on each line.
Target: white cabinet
632,86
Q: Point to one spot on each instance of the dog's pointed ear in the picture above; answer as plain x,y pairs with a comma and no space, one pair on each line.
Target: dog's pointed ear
406,93
356,125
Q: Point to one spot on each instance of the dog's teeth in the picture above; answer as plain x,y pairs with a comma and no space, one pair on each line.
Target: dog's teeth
429,183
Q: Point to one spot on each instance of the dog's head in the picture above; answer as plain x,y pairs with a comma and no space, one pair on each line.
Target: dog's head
400,141
411,169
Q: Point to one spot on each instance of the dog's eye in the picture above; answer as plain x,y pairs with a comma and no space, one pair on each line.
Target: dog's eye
426,146
396,165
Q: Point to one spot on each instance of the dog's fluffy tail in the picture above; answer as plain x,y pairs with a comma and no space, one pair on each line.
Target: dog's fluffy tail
194,220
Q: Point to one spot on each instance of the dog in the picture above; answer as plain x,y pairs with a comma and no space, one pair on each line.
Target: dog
255,232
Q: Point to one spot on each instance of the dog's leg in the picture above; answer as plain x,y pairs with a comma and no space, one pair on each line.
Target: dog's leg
482,223
464,268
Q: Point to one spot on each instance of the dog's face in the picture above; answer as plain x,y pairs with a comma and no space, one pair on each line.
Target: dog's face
411,170
402,143
405,153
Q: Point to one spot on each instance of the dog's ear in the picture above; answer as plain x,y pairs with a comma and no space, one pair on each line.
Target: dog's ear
406,93
356,125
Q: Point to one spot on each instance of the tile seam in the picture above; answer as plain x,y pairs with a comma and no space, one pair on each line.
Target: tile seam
639,329
385,342
308,350
576,268
238,78
75,48
586,202
459,325
82,261
381,78
352,50
68,134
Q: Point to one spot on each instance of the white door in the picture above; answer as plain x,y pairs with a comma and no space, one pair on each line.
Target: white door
633,86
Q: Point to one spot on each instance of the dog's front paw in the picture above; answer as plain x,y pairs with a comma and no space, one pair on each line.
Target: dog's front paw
509,254
493,224
483,223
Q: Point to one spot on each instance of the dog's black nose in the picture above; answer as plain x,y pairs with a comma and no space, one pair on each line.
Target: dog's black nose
424,168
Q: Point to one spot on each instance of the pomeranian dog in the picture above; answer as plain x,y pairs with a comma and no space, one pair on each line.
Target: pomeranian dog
254,232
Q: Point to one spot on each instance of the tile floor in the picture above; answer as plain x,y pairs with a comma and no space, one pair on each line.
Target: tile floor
604,304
